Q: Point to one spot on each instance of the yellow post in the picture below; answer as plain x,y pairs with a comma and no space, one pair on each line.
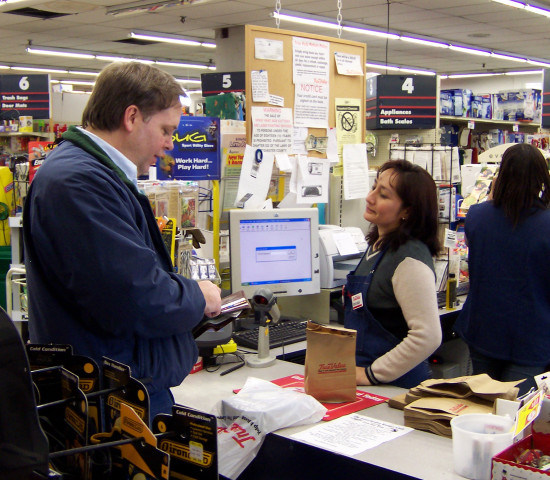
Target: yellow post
216,222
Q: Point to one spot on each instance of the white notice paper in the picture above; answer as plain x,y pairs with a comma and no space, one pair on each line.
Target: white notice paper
311,104
254,178
356,171
313,180
272,129
348,64
267,49
351,434
309,60
260,87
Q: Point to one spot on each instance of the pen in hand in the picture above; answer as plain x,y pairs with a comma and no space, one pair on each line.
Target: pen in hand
232,369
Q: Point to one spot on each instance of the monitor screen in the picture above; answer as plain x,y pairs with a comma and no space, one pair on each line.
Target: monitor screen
275,249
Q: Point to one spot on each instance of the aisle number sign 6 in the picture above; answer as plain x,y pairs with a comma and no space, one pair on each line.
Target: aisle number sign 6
408,85
24,83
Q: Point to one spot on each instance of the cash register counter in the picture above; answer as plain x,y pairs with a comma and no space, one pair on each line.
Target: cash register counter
417,454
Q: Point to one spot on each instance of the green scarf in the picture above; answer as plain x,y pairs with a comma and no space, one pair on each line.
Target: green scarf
84,142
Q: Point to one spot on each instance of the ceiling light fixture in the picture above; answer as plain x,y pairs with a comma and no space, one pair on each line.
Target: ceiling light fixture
525,6
470,75
112,58
184,65
508,57
422,41
116,58
189,81
39,69
538,63
141,6
305,19
58,53
472,51
357,28
374,33
167,38
510,3
399,69
77,72
527,72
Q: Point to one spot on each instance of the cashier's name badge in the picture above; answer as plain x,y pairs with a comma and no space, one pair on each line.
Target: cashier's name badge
357,301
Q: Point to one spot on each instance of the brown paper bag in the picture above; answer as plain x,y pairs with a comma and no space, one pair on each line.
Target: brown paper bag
330,363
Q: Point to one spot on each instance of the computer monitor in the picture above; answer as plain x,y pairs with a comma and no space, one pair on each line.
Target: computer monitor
276,249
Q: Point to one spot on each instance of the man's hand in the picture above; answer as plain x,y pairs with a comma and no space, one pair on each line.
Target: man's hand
361,376
212,295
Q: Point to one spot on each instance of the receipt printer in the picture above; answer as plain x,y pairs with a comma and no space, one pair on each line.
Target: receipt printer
341,250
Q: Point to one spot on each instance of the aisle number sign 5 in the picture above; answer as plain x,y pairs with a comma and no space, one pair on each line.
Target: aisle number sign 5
226,80
408,85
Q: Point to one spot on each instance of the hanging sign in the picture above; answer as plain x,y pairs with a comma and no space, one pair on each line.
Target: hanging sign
196,152
25,95
401,102
216,83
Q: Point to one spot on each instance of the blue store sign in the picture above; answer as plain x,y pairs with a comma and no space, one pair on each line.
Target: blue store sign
196,153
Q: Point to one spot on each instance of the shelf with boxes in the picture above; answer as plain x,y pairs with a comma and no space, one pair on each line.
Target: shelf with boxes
509,116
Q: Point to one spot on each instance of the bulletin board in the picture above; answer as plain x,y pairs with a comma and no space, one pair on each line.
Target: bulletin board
280,74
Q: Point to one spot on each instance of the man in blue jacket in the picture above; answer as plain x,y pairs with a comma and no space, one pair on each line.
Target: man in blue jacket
98,274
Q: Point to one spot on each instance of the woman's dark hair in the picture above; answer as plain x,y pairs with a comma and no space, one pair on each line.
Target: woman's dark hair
418,192
523,182
122,84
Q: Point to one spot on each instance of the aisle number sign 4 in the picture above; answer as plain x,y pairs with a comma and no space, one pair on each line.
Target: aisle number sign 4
408,85
401,102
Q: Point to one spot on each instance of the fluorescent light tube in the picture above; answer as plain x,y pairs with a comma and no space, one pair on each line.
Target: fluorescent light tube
374,33
538,63
508,57
39,69
399,69
304,20
59,53
76,72
190,81
473,51
112,58
166,38
184,65
510,3
537,10
421,41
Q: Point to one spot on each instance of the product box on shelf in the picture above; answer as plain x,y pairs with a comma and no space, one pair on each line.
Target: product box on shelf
520,105
456,102
482,106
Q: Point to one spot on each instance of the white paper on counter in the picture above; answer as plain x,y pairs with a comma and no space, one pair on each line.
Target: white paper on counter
351,434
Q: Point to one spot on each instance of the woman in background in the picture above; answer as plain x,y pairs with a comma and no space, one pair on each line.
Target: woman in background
506,318
390,299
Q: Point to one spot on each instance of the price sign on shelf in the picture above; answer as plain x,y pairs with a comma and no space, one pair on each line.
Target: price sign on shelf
515,128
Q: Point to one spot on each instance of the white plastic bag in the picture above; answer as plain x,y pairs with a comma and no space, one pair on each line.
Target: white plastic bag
259,408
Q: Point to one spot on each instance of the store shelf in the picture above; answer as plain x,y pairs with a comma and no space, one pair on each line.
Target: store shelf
487,121
26,134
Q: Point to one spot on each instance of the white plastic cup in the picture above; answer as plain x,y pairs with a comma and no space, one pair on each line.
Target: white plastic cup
477,437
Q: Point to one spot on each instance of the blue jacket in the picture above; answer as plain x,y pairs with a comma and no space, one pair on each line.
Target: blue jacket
98,274
507,313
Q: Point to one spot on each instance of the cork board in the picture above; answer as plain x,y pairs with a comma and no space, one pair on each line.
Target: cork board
280,74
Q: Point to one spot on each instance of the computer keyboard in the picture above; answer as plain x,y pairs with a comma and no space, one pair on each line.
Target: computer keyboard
462,289
282,333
